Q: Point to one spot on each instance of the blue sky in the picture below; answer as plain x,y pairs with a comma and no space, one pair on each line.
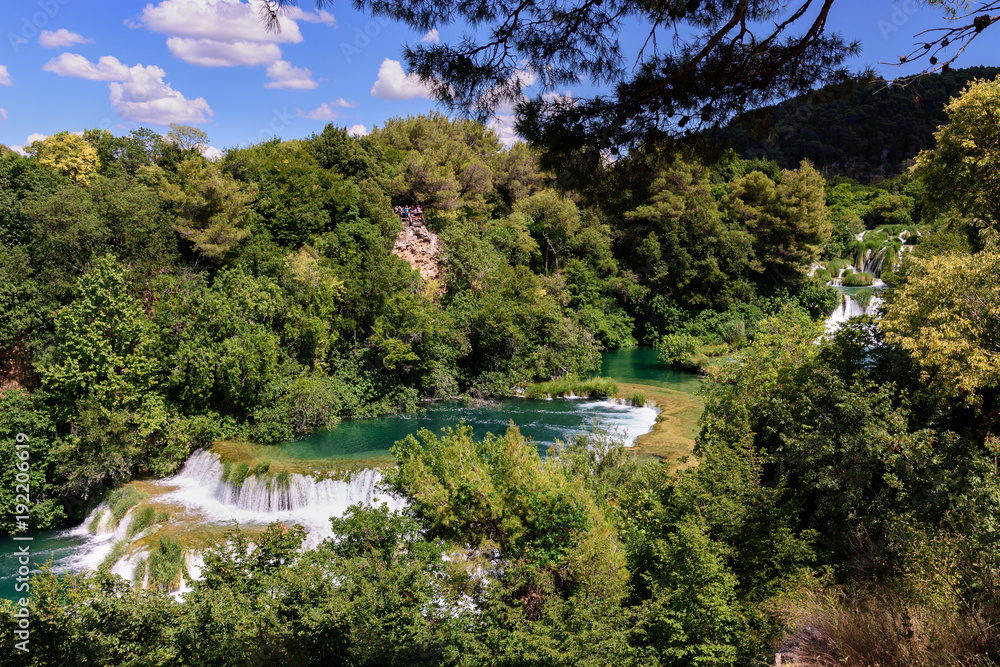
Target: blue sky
72,65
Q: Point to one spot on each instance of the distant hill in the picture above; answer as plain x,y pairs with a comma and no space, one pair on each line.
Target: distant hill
867,133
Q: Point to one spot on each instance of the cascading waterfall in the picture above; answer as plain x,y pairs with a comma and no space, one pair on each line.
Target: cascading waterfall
849,308
304,500
198,494
197,505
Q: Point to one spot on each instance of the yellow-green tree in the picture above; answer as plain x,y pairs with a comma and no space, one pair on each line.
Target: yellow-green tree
947,314
69,154
963,171
787,220
213,211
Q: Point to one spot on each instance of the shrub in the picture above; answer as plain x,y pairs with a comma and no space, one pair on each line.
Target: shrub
638,399
261,468
733,332
835,266
858,279
166,564
677,349
122,499
864,298
142,520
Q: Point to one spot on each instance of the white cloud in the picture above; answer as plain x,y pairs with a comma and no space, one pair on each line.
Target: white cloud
553,97
323,112
60,38
211,152
358,130
217,20
222,33
5,79
321,16
284,75
3,114
146,98
138,93
107,68
503,125
393,84
341,102
432,37
32,138
210,53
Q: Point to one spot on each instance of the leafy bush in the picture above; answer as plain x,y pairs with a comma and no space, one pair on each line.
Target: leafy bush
733,332
677,349
166,564
239,473
638,399
122,499
858,279
835,266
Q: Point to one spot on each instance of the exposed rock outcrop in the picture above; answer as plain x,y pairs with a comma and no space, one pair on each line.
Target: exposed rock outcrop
419,247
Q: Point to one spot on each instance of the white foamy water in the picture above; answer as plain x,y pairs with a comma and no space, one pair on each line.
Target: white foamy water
849,308
621,419
197,494
199,488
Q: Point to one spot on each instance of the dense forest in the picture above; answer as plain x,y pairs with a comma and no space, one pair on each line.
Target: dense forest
867,132
844,502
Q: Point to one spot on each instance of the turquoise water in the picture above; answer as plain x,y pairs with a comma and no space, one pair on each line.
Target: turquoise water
61,546
640,365
542,421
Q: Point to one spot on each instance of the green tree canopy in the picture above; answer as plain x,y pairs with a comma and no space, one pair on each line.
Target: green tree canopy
212,209
947,314
963,171
787,220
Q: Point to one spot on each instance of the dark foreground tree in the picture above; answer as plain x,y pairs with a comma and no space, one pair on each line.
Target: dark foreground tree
700,63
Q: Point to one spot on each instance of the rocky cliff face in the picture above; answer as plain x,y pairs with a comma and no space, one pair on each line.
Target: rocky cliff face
419,247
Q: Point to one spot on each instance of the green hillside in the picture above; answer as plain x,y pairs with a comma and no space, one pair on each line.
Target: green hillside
867,133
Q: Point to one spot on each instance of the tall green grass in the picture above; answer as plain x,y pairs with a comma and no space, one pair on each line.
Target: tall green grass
166,564
122,499
571,385
864,298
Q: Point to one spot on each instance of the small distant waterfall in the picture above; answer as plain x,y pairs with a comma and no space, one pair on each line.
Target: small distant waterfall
849,308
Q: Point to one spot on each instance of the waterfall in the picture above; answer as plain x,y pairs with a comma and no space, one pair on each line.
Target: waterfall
849,308
260,500
197,496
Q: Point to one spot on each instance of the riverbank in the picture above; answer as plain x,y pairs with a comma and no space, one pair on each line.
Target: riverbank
672,436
